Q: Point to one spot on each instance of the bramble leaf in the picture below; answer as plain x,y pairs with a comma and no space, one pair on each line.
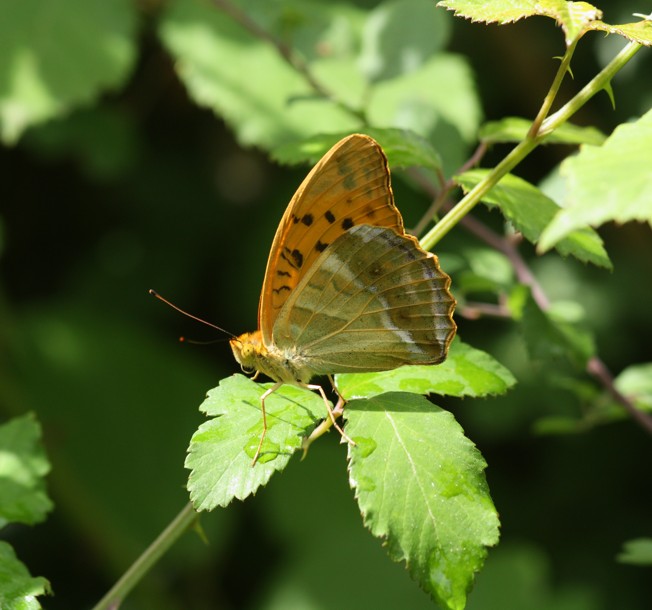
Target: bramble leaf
403,148
639,31
23,466
530,211
515,129
612,182
58,56
18,590
465,372
421,488
573,17
221,450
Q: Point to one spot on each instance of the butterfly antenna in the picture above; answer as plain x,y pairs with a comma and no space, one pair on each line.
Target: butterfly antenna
185,313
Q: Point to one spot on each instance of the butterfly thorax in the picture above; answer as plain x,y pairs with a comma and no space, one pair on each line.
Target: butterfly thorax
280,365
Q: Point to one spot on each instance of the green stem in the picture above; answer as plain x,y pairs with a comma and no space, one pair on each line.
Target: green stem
113,599
598,83
554,89
468,202
524,148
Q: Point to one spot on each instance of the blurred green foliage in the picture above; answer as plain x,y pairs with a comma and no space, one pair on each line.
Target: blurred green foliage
133,184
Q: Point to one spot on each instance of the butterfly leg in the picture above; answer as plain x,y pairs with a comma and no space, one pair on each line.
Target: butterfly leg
267,392
331,415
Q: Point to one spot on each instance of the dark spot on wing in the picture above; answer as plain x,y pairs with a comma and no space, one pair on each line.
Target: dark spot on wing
281,289
307,219
320,246
295,218
347,223
283,273
349,182
297,257
329,216
343,168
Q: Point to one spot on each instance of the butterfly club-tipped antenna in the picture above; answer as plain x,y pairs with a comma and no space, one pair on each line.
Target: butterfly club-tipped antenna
185,313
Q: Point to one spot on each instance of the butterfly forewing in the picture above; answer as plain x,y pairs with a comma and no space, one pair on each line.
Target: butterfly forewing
373,302
348,187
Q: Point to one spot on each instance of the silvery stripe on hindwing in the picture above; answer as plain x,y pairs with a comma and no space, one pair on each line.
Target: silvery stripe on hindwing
372,295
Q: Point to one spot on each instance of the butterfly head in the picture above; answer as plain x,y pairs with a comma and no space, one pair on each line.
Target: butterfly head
247,350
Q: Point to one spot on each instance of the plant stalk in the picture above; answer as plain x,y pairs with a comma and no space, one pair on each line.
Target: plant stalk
524,148
142,565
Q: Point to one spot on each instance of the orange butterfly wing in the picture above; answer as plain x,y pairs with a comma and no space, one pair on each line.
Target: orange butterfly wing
349,186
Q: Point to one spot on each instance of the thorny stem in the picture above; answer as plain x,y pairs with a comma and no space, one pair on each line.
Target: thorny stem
554,89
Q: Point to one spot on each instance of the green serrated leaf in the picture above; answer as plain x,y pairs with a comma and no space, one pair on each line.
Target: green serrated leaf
500,11
635,382
18,590
441,90
573,17
530,211
403,148
420,485
222,449
515,129
55,56
465,372
612,182
554,340
637,552
246,81
639,31
23,466
387,52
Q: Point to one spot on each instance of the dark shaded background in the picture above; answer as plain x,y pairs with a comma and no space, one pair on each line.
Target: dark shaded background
144,190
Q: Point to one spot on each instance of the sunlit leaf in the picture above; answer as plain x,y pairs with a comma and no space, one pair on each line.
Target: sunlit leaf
55,56
421,489
639,31
221,450
18,590
23,466
515,129
386,50
264,99
403,148
635,382
530,211
612,182
440,92
465,372
574,17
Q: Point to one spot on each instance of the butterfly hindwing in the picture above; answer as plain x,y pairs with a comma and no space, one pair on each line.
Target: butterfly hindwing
349,186
374,301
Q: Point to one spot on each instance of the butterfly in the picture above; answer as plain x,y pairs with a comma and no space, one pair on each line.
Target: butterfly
346,290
